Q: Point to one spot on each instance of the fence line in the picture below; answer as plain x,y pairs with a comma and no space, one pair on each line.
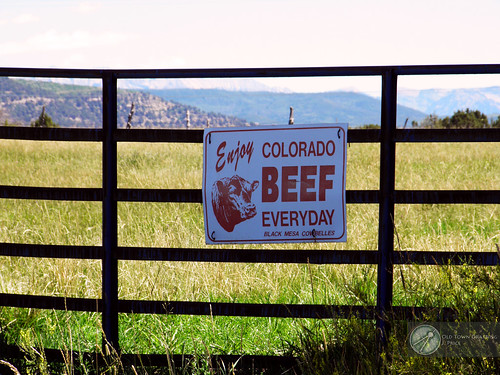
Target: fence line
386,197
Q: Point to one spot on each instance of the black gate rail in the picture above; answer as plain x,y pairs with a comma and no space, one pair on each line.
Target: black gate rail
51,134
309,311
385,257
195,195
252,256
270,364
196,135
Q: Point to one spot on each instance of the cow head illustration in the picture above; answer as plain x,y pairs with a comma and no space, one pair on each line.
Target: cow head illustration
231,201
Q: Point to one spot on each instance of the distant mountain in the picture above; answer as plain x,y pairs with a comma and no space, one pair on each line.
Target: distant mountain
440,102
230,84
443,102
69,105
21,102
274,108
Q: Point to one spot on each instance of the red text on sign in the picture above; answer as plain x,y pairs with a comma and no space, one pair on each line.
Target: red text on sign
297,218
298,149
307,192
233,156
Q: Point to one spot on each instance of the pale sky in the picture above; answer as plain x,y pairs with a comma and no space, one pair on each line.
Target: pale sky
164,34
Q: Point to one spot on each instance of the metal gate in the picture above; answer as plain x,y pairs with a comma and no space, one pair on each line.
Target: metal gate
385,256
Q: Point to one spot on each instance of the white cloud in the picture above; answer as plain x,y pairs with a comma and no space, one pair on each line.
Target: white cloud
87,7
24,19
53,40
228,33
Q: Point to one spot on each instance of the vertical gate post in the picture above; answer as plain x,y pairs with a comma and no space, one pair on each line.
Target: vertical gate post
386,205
110,214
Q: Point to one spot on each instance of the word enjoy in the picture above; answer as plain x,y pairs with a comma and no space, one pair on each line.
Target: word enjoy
233,156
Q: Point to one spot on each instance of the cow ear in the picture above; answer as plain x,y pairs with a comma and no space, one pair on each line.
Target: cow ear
232,189
255,185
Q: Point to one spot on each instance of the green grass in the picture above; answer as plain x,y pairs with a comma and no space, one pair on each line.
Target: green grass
321,344
442,166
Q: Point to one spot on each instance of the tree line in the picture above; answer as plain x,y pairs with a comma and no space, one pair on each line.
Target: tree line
461,119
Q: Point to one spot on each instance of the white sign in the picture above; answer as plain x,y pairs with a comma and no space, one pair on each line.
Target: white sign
275,184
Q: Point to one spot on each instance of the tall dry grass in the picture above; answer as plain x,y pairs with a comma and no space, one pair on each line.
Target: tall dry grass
140,165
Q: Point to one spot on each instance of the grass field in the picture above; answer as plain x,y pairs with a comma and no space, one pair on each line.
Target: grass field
419,228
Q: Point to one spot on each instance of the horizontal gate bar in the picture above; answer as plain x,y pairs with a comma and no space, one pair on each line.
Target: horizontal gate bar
254,72
248,255
475,258
278,310
447,135
50,251
187,308
305,256
250,72
352,196
196,195
244,309
251,256
363,135
196,135
50,302
310,72
51,134
353,135
446,69
222,308
225,361
362,196
159,135
51,193
411,313
160,195
280,364
447,196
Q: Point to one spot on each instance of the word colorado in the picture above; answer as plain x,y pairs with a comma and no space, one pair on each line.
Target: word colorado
298,149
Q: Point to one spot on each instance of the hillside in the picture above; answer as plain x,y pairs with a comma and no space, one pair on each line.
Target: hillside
21,102
273,108
443,102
